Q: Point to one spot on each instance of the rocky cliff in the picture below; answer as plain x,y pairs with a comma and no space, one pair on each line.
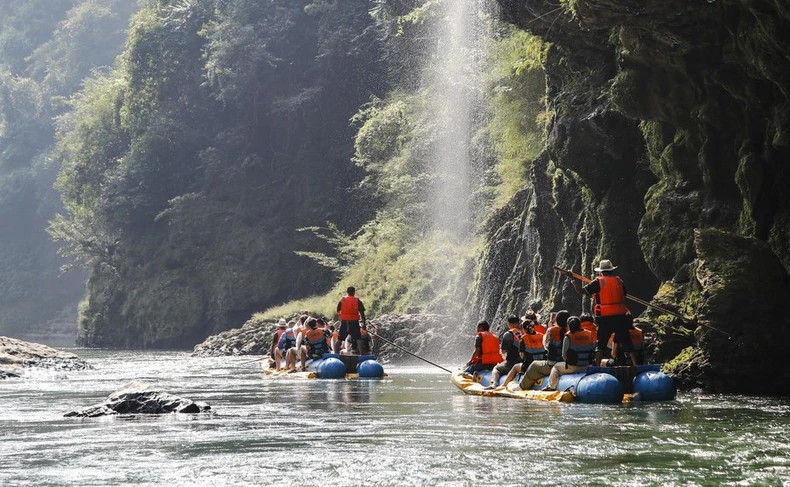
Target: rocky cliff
667,153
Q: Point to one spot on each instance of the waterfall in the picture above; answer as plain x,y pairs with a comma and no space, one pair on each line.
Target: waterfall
453,81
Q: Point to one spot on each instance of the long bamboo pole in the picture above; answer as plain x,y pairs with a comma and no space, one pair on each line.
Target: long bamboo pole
648,304
412,354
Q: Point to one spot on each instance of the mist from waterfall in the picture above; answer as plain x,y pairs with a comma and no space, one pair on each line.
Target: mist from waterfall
455,82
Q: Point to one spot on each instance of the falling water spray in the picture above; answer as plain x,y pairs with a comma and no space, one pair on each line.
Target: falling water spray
454,80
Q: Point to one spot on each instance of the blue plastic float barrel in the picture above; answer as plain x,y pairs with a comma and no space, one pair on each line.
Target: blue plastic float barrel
654,386
370,369
599,388
332,368
567,381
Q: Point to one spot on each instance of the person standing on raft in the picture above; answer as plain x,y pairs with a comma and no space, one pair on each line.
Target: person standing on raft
350,309
611,314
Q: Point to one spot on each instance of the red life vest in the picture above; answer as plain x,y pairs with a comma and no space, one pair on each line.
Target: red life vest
490,348
637,339
277,335
540,328
349,308
610,298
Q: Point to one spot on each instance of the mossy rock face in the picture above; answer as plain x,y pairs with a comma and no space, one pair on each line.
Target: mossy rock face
742,305
666,231
706,83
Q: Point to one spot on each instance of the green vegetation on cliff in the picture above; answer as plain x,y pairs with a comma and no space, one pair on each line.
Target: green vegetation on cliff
46,49
399,260
189,167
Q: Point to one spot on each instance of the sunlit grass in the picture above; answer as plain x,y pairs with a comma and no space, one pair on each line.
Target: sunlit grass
316,305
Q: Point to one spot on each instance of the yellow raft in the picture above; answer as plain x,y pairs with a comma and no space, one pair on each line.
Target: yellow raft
307,374
469,386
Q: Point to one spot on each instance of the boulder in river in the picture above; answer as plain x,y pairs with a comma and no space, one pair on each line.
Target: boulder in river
16,355
140,398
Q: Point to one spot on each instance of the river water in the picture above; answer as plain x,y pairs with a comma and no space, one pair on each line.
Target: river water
412,428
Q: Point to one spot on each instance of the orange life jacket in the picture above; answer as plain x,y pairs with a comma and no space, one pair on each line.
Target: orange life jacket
490,349
610,298
533,345
555,343
317,340
590,326
581,347
540,328
349,308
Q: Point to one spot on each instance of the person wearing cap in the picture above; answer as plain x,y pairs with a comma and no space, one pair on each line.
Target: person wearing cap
508,349
350,310
281,327
611,314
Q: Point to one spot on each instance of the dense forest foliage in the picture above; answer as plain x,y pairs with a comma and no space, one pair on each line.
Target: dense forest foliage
47,47
234,141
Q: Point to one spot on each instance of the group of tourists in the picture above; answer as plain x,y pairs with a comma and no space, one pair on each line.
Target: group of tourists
310,337
566,344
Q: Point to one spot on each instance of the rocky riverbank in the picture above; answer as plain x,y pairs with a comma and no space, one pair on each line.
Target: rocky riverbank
17,355
435,337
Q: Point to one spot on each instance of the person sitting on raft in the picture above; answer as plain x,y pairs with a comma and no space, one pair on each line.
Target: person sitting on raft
508,348
486,355
637,340
287,347
317,344
531,348
589,324
365,341
274,352
552,341
531,317
364,346
577,352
